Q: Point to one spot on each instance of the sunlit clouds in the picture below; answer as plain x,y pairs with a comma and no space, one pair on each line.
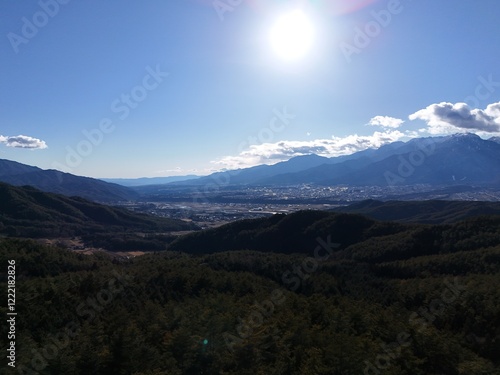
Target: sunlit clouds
271,153
23,141
386,122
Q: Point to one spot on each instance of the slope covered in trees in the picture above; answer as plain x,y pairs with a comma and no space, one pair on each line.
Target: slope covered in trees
294,233
28,212
430,211
389,299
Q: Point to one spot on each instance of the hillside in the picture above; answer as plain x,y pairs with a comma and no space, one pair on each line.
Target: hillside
53,181
284,233
28,212
390,299
429,212
294,232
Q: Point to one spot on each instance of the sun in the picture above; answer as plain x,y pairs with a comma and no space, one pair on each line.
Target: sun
292,36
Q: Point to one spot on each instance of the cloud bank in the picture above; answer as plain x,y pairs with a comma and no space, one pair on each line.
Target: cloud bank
23,141
272,153
449,118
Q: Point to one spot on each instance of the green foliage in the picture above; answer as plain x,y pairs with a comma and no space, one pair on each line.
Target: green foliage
27,212
398,299
294,233
427,212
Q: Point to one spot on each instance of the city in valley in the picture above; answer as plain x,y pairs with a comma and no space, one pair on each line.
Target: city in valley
217,207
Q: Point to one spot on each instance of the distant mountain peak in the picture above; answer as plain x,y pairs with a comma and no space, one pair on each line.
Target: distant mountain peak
465,139
466,134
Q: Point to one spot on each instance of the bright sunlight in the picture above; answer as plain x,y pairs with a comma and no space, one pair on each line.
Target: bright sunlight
292,36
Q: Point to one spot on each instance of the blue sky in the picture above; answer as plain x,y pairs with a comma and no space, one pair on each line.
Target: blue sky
156,88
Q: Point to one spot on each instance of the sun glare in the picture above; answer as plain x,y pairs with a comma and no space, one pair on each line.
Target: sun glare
292,36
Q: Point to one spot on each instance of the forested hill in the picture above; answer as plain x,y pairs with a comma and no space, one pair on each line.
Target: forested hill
307,293
391,299
430,211
292,233
361,237
28,212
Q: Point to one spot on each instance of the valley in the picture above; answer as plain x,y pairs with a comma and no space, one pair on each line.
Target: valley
247,279
236,202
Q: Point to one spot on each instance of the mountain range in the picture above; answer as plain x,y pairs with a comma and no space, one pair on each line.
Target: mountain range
464,159
130,182
460,159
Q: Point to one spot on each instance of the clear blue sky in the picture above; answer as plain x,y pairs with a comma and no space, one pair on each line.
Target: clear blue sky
180,87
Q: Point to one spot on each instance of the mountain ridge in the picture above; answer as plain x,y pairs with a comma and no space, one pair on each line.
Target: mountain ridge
443,160
54,181
29,212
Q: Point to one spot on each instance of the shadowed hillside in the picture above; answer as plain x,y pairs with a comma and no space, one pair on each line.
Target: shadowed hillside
28,212
54,181
390,299
431,211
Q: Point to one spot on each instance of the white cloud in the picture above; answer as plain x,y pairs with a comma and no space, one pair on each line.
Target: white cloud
23,141
272,153
445,118
386,122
